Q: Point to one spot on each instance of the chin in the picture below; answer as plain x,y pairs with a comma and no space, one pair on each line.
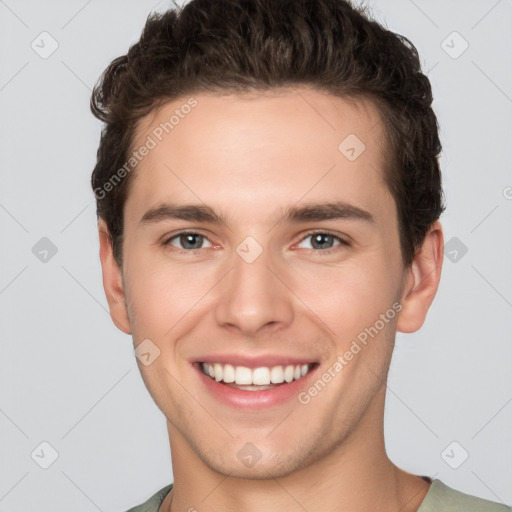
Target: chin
246,461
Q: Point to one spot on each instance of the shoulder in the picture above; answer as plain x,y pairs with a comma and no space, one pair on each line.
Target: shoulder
441,498
153,503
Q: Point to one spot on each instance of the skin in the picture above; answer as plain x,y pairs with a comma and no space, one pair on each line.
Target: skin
251,158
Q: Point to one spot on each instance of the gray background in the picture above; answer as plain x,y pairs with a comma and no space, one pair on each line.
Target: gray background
68,377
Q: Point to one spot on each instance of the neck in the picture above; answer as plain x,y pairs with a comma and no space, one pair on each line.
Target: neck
356,475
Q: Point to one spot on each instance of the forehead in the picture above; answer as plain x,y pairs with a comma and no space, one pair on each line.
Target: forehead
218,117
265,148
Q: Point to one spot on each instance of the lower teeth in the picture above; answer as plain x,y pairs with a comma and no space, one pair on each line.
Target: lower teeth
250,387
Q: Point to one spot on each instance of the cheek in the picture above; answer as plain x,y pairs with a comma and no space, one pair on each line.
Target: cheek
348,298
161,296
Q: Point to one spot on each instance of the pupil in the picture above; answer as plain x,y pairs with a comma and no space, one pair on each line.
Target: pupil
321,241
190,241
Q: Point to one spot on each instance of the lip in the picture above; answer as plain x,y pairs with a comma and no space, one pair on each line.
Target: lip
254,400
253,361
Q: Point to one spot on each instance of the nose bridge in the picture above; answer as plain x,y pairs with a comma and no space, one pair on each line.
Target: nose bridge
252,297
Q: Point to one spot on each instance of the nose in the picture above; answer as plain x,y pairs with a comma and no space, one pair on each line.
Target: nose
254,297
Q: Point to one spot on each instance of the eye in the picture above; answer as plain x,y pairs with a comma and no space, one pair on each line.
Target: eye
188,241
321,241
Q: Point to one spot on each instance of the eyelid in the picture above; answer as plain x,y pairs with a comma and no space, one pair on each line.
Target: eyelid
343,240
168,238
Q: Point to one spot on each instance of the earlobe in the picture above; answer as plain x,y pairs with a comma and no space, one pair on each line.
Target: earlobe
422,281
113,281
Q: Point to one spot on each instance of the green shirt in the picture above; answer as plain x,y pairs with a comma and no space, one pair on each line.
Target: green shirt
440,498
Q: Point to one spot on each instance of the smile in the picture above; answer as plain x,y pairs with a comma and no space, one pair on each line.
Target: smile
255,379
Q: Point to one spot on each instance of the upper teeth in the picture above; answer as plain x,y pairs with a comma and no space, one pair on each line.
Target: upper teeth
261,376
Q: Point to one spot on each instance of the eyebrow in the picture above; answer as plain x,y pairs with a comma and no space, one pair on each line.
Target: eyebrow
307,213
327,211
198,213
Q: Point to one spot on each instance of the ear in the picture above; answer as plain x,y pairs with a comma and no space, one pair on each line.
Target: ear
113,281
422,280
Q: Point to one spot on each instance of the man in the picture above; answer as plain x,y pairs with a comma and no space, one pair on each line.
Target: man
268,195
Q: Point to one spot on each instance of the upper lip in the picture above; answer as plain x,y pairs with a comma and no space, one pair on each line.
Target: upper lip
254,361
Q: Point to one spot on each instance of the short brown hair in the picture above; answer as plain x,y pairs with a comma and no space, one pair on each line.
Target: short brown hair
242,45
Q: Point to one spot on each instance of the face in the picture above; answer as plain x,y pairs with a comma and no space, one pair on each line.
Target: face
262,270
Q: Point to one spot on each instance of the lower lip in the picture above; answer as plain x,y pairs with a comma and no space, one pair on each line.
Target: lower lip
254,400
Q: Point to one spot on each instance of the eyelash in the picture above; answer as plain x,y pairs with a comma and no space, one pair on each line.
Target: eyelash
342,242
167,242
